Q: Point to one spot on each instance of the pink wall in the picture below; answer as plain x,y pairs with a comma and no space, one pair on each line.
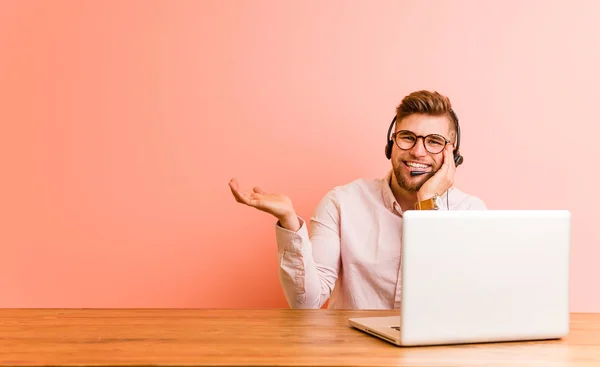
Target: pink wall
123,121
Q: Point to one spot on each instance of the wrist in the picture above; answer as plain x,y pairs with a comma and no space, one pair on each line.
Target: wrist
424,196
428,202
290,222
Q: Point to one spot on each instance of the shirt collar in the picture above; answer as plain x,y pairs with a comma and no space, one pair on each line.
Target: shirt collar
389,200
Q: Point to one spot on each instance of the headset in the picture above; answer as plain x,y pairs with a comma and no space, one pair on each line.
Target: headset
458,159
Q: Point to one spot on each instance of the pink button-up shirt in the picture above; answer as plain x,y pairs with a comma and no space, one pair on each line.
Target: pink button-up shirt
352,254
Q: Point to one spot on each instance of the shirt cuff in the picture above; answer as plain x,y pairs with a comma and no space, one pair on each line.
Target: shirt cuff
289,240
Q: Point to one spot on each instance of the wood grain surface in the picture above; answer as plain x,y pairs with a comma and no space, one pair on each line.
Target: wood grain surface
273,337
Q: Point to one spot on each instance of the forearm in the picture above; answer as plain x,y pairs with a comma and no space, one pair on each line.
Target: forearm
302,285
305,282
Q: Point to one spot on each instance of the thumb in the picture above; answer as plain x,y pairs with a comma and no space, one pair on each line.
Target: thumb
258,190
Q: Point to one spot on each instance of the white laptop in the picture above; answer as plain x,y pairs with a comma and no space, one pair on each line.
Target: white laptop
480,276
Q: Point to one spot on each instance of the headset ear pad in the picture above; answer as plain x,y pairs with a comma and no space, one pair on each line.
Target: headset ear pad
390,143
388,149
458,159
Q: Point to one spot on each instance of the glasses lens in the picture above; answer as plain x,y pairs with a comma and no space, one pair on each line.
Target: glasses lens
434,144
405,139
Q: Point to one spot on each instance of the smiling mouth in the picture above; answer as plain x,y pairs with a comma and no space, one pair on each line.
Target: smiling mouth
414,166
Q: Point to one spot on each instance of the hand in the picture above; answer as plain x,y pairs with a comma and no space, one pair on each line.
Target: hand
442,180
277,205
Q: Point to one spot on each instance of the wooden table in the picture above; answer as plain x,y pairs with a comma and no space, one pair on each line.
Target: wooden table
280,337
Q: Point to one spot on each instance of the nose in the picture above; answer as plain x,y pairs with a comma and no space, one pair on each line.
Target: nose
418,150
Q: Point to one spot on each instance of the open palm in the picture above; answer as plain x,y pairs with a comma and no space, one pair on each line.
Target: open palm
275,204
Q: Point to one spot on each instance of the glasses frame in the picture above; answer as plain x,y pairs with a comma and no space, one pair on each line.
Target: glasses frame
394,135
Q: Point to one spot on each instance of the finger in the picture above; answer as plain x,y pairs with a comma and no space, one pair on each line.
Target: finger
451,156
254,199
446,162
445,169
451,164
234,186
257,200
236,194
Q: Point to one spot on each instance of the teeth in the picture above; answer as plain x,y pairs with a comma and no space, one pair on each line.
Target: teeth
416,165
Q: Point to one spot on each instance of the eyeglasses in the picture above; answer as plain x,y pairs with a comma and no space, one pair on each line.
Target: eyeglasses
434,143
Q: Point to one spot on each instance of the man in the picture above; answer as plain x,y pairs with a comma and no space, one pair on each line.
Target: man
352,255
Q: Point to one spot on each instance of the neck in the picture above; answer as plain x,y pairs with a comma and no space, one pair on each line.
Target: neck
406,199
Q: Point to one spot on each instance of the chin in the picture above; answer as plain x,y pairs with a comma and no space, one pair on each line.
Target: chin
408,182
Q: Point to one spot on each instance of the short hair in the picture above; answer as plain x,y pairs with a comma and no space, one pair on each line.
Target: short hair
426,102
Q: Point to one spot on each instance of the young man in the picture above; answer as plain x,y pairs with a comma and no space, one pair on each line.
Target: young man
352,254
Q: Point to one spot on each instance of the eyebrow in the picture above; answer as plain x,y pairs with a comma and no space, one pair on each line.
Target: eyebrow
412,132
